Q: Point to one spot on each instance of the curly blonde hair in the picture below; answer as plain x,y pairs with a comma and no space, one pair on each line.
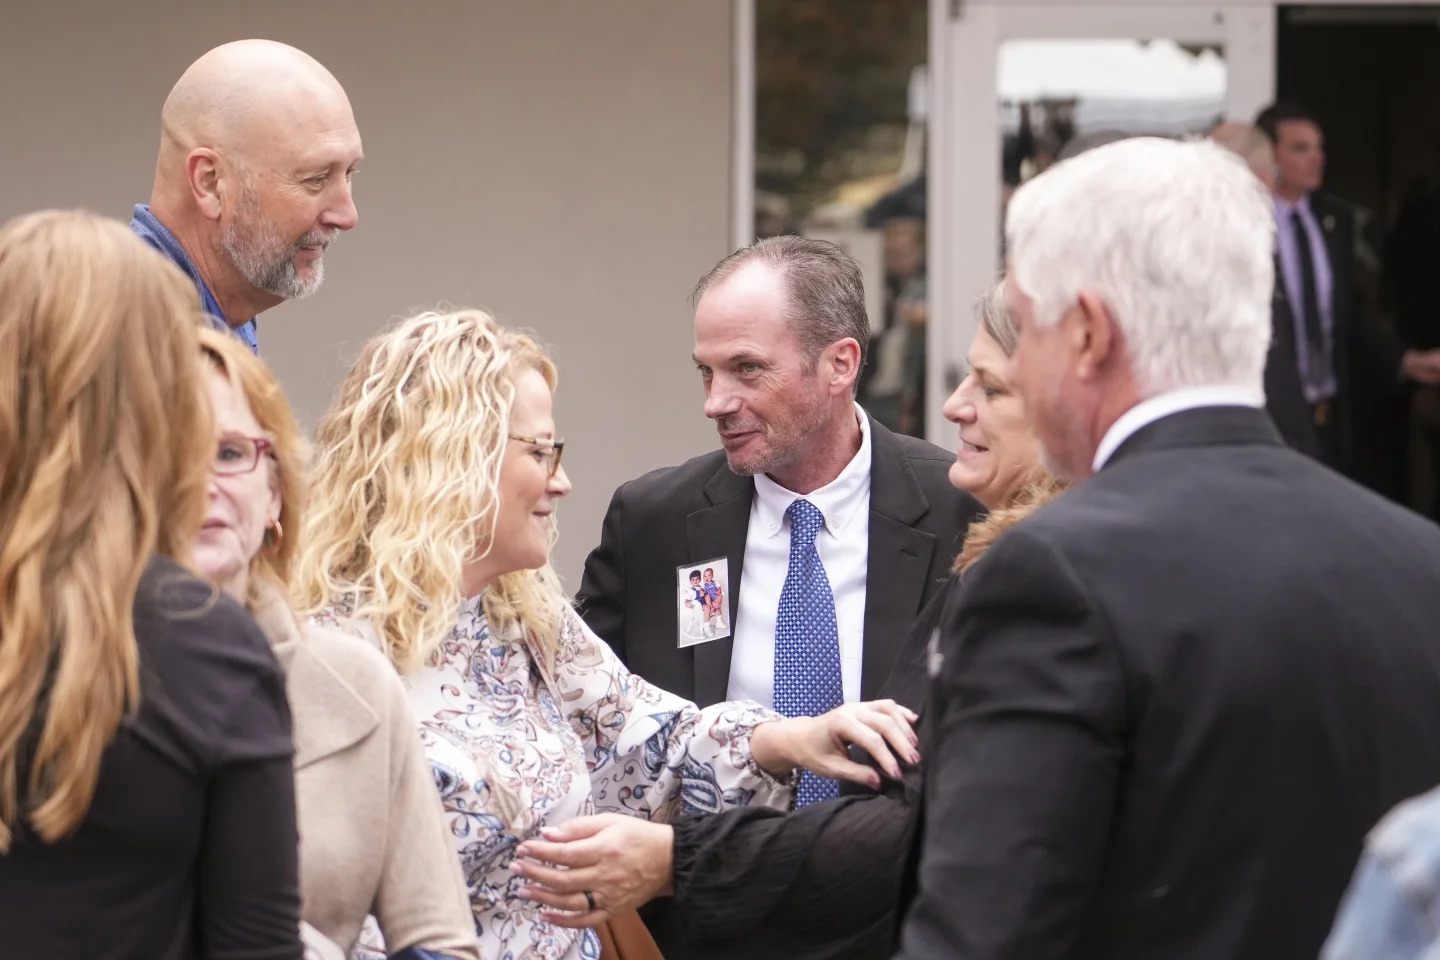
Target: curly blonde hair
238,364
107,447
406,485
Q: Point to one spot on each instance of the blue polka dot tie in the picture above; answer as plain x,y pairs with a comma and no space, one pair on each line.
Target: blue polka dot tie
807,643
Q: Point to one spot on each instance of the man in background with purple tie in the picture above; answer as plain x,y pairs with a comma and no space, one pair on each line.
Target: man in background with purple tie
835,530
1321,326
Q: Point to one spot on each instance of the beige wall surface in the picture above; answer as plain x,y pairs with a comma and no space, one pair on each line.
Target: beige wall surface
562,163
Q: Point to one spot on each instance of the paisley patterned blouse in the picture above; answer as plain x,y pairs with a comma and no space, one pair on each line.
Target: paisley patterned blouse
514,750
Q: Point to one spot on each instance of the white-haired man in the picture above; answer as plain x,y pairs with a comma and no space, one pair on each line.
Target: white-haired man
1169,705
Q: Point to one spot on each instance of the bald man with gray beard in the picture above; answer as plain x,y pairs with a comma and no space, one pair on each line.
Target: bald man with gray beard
258,145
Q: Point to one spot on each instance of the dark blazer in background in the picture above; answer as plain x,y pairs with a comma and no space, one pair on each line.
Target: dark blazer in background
701,510
1367,354
1171,704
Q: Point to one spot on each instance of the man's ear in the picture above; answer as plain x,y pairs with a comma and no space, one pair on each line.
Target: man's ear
842,360
1096,336
202,173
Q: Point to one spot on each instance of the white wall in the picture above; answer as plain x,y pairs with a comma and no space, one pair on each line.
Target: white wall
562,163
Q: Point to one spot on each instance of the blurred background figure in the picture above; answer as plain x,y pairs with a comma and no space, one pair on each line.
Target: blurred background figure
893,387
1252,145
1284,397
1350,366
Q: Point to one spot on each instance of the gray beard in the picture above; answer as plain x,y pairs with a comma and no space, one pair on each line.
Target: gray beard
261,255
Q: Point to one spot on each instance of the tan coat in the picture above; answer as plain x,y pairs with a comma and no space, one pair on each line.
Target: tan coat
372,836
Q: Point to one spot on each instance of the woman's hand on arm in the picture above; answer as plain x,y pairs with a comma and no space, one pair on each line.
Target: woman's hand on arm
621,861
821,744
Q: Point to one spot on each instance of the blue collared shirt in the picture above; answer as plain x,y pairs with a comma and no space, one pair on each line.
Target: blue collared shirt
1392,909
153,232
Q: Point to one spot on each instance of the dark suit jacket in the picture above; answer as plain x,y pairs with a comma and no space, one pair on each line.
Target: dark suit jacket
1366,352
701,510
1172,703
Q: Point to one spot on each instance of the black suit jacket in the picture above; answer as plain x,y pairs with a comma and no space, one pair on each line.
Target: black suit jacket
700,510
1365,351
1172,703
818,883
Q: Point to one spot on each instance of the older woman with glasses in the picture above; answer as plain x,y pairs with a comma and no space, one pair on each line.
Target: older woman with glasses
437,480
372,839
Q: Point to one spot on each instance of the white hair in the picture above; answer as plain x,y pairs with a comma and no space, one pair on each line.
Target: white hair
1176,239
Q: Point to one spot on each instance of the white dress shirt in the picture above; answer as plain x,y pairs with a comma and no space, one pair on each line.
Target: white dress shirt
1148,411
843,545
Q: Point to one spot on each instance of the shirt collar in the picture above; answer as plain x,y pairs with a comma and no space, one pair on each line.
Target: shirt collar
149,228
1158,407
1283,207
838,500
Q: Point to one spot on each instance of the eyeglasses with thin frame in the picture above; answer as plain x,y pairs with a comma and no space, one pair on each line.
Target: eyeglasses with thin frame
235,454
551,450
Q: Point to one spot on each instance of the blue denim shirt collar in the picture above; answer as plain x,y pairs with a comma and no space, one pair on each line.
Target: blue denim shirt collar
153,232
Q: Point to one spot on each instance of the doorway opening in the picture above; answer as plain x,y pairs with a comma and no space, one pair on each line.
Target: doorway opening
1372,76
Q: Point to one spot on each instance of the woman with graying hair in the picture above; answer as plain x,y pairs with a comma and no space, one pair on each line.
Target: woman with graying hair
823,882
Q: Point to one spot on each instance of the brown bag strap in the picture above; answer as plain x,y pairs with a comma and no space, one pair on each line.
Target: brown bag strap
624,937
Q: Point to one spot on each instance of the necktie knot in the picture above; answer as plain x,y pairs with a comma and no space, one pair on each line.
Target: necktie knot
805,522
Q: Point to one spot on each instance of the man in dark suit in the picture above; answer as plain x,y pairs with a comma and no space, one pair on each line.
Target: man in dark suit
780,333
1325,342
780,336
1168,706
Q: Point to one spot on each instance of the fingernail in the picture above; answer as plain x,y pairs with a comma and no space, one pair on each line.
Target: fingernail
517,866
549,833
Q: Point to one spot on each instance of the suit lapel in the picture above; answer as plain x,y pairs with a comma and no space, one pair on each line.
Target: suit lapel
1334,239
714,531
898,560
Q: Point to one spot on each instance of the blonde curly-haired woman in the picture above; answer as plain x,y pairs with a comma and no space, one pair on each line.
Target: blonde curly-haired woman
437,475
147,807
